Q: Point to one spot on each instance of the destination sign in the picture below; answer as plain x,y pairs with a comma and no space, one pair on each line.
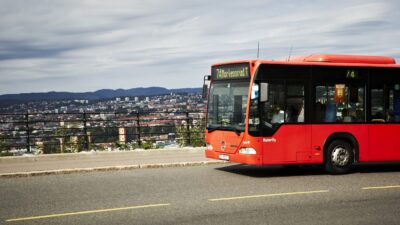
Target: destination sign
233,71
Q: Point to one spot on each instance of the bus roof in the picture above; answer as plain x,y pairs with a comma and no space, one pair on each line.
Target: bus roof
345,59
329,60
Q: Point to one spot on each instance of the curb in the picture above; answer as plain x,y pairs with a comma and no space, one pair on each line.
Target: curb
109,168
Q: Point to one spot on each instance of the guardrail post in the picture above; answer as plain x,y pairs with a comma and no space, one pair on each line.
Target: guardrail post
138,129
28,138
188,128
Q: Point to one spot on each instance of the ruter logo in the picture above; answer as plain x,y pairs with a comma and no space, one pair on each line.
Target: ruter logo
223,145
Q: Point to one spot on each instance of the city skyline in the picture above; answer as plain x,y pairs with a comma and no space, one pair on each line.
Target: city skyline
79,46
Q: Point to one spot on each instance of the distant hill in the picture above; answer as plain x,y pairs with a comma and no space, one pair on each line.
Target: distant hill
10,99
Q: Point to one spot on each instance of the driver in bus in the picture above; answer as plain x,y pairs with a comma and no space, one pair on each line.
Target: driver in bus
278,115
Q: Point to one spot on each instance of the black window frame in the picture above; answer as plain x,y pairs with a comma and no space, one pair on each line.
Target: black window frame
290,77
366,77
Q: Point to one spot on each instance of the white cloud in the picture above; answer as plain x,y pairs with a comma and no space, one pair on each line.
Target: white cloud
88,45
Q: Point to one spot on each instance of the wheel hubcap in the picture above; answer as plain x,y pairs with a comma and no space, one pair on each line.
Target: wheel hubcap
340,156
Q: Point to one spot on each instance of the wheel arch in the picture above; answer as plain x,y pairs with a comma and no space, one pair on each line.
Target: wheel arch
345,136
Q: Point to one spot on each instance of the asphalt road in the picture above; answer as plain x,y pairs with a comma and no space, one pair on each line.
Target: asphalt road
217,194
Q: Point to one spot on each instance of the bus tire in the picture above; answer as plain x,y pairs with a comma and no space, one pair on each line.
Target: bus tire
339,157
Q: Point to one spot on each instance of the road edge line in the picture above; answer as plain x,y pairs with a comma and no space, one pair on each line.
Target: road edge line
87,212
109,168
268,195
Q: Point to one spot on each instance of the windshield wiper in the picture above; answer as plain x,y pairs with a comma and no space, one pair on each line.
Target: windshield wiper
234,129
216,128
237,131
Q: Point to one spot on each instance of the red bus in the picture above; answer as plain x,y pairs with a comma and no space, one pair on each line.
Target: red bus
333,110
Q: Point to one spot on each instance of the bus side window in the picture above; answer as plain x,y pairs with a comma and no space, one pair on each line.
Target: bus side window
295,110
319,111
396,103
346,116
294,103
377,105
342,103
272,110
330,114
385,104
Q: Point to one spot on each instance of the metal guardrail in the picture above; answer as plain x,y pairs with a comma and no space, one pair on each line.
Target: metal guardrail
71,132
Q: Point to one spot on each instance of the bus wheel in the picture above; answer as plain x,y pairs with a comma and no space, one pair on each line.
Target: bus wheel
339,157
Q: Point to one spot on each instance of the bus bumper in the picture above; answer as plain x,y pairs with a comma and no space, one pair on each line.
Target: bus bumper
238,158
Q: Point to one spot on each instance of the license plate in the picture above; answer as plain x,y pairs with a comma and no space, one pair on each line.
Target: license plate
224,157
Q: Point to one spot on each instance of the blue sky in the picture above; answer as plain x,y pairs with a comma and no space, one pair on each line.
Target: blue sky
79,45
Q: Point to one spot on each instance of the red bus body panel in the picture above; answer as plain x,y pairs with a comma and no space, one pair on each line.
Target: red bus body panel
384,142
304,144
233,143
290,144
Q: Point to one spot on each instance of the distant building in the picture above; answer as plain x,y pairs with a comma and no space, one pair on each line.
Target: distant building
103,116
127,99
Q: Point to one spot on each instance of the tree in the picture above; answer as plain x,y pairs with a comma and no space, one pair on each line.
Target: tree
4,149
192,135
50,147
149,144
197,134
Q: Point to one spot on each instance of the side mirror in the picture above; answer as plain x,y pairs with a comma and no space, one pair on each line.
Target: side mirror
263,92
205,86
205,91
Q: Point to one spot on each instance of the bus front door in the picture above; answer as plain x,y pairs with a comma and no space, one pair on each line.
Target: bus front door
290,144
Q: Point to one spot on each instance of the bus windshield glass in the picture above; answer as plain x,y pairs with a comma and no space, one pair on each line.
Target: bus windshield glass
227,105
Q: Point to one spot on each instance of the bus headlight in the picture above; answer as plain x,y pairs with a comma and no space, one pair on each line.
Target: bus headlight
209,147
247,151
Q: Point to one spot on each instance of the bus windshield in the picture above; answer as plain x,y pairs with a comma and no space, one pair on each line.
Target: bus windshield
227,105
